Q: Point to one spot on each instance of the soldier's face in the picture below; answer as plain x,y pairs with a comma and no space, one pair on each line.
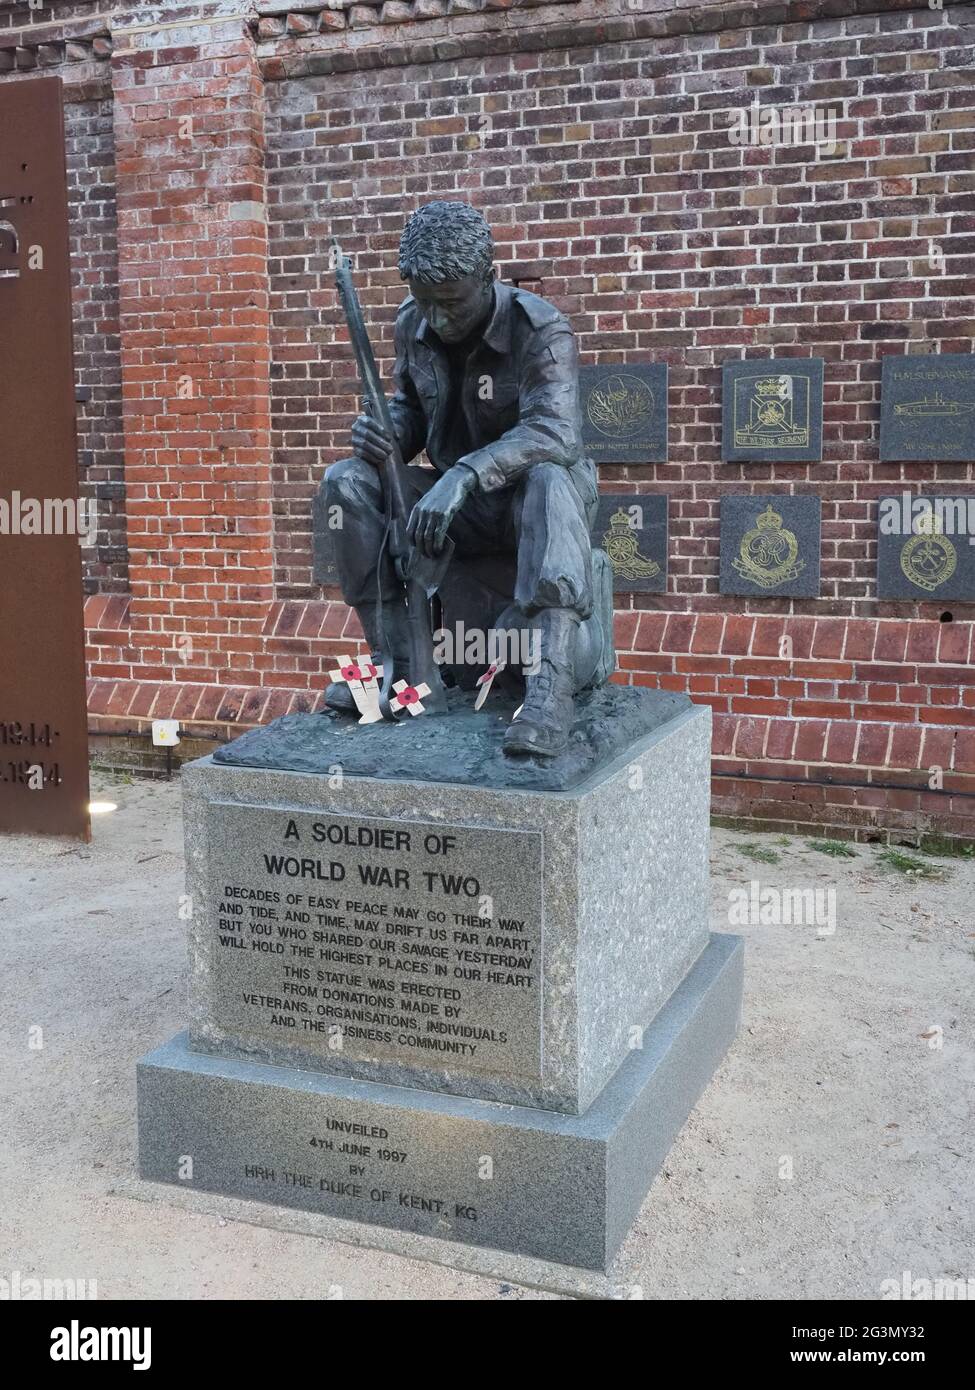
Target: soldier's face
455,308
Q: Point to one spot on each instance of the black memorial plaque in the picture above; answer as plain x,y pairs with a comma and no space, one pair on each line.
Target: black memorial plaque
770,546
772,410
43,719
926,547
632,529
927,407
624,412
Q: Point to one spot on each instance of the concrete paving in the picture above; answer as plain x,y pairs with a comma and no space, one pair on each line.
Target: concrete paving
831,1152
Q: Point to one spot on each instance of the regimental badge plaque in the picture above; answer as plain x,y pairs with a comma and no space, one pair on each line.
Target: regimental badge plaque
927,407
632,529
624,412
770,546
925,547
772,410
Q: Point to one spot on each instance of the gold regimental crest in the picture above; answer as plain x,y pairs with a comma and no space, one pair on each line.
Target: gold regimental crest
620,406
768,554
771,412
623,548
929,559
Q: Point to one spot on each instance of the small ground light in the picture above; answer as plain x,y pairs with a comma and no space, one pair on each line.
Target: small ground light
102,808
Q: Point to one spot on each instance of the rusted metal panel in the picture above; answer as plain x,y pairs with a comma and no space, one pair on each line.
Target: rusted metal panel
43,723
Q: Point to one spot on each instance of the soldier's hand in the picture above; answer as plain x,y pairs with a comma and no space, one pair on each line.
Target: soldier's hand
370,442
432,515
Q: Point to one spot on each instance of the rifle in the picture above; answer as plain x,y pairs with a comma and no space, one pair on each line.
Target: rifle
420,574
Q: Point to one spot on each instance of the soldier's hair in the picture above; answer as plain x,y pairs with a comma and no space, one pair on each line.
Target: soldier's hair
445,241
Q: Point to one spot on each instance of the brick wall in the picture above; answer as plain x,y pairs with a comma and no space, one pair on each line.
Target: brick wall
69,39
595,138
90,143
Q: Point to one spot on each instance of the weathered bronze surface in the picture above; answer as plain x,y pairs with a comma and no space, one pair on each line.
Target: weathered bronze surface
487,384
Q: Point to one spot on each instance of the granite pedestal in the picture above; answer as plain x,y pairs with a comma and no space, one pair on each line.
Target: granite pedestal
467,1011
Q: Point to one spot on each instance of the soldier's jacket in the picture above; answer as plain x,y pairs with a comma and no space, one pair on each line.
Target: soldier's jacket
530,412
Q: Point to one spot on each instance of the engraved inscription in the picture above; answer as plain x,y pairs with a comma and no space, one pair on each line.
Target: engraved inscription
378,939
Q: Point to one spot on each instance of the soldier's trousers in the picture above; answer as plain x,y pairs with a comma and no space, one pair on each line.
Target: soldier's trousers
541,519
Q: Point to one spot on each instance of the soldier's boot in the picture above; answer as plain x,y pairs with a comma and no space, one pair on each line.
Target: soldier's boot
338,696
545,720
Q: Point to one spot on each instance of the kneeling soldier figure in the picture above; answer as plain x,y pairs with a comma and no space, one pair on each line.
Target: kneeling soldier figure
487,383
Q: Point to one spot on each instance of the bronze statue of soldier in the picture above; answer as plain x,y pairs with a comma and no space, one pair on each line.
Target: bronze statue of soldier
486,379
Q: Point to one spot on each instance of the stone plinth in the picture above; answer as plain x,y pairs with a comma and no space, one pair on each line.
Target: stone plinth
480,1012
558,1187
508,945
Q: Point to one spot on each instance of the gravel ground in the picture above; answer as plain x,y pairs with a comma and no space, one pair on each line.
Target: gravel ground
832,1150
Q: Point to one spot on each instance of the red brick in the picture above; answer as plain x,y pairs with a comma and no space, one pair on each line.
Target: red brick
841,742
165,702
891,642
821,709
737,635
958,716
872,745
707,633
717,665
254,706
889,714
122,697
939,750
210,702
781,738
905,747
767,637
829,638
811,739
860,639
624,630
99,696
335,620
95,607
800,630
650,632
922,641
312,618
947,675
677,635
187,701
750,737
964,748
748,704
955,642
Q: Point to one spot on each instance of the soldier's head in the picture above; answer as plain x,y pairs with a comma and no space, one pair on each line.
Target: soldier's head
446,257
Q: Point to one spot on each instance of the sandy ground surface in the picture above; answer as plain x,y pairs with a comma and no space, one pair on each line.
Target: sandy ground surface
832,1151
